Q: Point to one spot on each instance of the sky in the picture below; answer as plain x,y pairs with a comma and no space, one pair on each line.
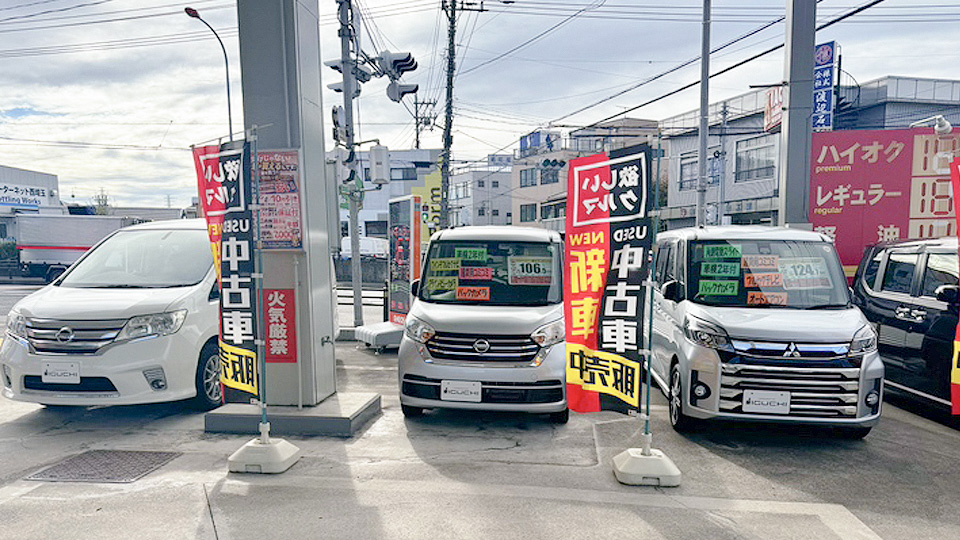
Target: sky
109,94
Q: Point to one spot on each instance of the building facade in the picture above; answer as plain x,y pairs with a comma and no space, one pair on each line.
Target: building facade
743,150
481,196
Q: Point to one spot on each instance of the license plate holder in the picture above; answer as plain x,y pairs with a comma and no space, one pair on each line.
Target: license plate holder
60,372
766,402
451,390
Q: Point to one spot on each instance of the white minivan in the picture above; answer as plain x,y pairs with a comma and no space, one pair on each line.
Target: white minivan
133,321
756,323
486,330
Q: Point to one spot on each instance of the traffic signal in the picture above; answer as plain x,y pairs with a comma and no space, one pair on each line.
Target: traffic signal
345,174
360,71
339,125
396,91
338,87
379,164
396,64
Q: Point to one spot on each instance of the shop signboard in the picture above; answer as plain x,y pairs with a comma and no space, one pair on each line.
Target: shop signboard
871,186
279,177
404,264
280,318
955,367
608,242
212,194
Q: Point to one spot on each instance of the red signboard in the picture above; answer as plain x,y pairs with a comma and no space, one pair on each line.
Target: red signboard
955,369
213,195
875,186
279,307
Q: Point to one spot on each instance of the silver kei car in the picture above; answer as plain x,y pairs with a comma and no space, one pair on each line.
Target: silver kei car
486,329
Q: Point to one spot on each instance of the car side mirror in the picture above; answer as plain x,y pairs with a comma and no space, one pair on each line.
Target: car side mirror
671,290
214,292
415,287
948,293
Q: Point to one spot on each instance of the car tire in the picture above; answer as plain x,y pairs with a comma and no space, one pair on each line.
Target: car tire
411,412
209,388
560,417
679,421
854,433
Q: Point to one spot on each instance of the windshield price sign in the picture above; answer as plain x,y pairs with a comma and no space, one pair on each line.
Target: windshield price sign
757,298
471,254
718,288
760,262
444,265
530,270
753,281
805,273
476,272
473,293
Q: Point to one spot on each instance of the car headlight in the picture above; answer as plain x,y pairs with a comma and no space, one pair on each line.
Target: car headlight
418,330
159,324
17,325
865,340
705,334
550,333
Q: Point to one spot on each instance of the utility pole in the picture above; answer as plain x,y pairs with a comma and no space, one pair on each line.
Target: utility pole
422,119
450,6
348,66
722,165
704,115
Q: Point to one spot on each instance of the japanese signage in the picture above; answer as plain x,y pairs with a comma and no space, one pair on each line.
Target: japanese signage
238,322
823,80
280,226
875,186
213,194
279,306
955,369
17,195
773,108
607,249
430,201
404,261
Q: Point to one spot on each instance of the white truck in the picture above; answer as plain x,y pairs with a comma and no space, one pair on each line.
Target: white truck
49,244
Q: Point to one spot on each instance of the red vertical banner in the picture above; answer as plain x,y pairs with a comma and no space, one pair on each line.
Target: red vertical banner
213,195
955,367
607,248
280,315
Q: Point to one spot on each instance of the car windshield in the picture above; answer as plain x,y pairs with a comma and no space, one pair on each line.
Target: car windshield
493,273
144,259
766,273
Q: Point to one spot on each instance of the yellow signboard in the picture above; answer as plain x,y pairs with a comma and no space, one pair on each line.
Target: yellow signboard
239,368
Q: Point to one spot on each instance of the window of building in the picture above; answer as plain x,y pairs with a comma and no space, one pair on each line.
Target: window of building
495,212
554,210
495,183
528,177
528,212
479,183
550,176
3,230
690,171
375,228
481,211
404,174
756,159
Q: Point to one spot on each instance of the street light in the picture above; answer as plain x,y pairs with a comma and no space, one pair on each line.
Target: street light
196,15
941,126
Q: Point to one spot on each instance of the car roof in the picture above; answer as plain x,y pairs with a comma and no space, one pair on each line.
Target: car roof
188,224
495,232
946,242
744,232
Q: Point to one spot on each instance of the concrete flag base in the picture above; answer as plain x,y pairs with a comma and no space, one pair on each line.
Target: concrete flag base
264,455
633,468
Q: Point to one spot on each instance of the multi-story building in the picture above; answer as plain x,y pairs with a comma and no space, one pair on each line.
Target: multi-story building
541,166
482,195
743,148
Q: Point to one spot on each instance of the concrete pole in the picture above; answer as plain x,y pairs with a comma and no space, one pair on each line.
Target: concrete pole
704,115
345,12
796,139
445,157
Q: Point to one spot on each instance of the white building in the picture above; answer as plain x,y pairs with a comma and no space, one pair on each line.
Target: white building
23,191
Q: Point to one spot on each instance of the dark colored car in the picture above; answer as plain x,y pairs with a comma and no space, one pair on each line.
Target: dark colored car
909,292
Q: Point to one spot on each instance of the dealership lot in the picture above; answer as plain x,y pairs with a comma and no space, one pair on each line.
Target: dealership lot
478,475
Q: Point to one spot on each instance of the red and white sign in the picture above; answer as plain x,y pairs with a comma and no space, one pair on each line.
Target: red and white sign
875,186
773,108
213,195
279,315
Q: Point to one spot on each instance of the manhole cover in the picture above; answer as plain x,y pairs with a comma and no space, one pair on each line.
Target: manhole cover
112,466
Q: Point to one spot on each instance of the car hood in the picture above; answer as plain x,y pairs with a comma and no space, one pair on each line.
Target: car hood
473,319
69,303
771,324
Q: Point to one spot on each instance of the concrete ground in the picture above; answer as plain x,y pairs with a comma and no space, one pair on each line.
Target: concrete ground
479,475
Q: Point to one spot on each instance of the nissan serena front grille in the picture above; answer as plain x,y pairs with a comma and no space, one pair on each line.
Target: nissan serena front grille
49,336
477,348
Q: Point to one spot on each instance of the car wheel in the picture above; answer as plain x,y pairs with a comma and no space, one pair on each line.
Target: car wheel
411,412
209,388
853,434
678,420
561,417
